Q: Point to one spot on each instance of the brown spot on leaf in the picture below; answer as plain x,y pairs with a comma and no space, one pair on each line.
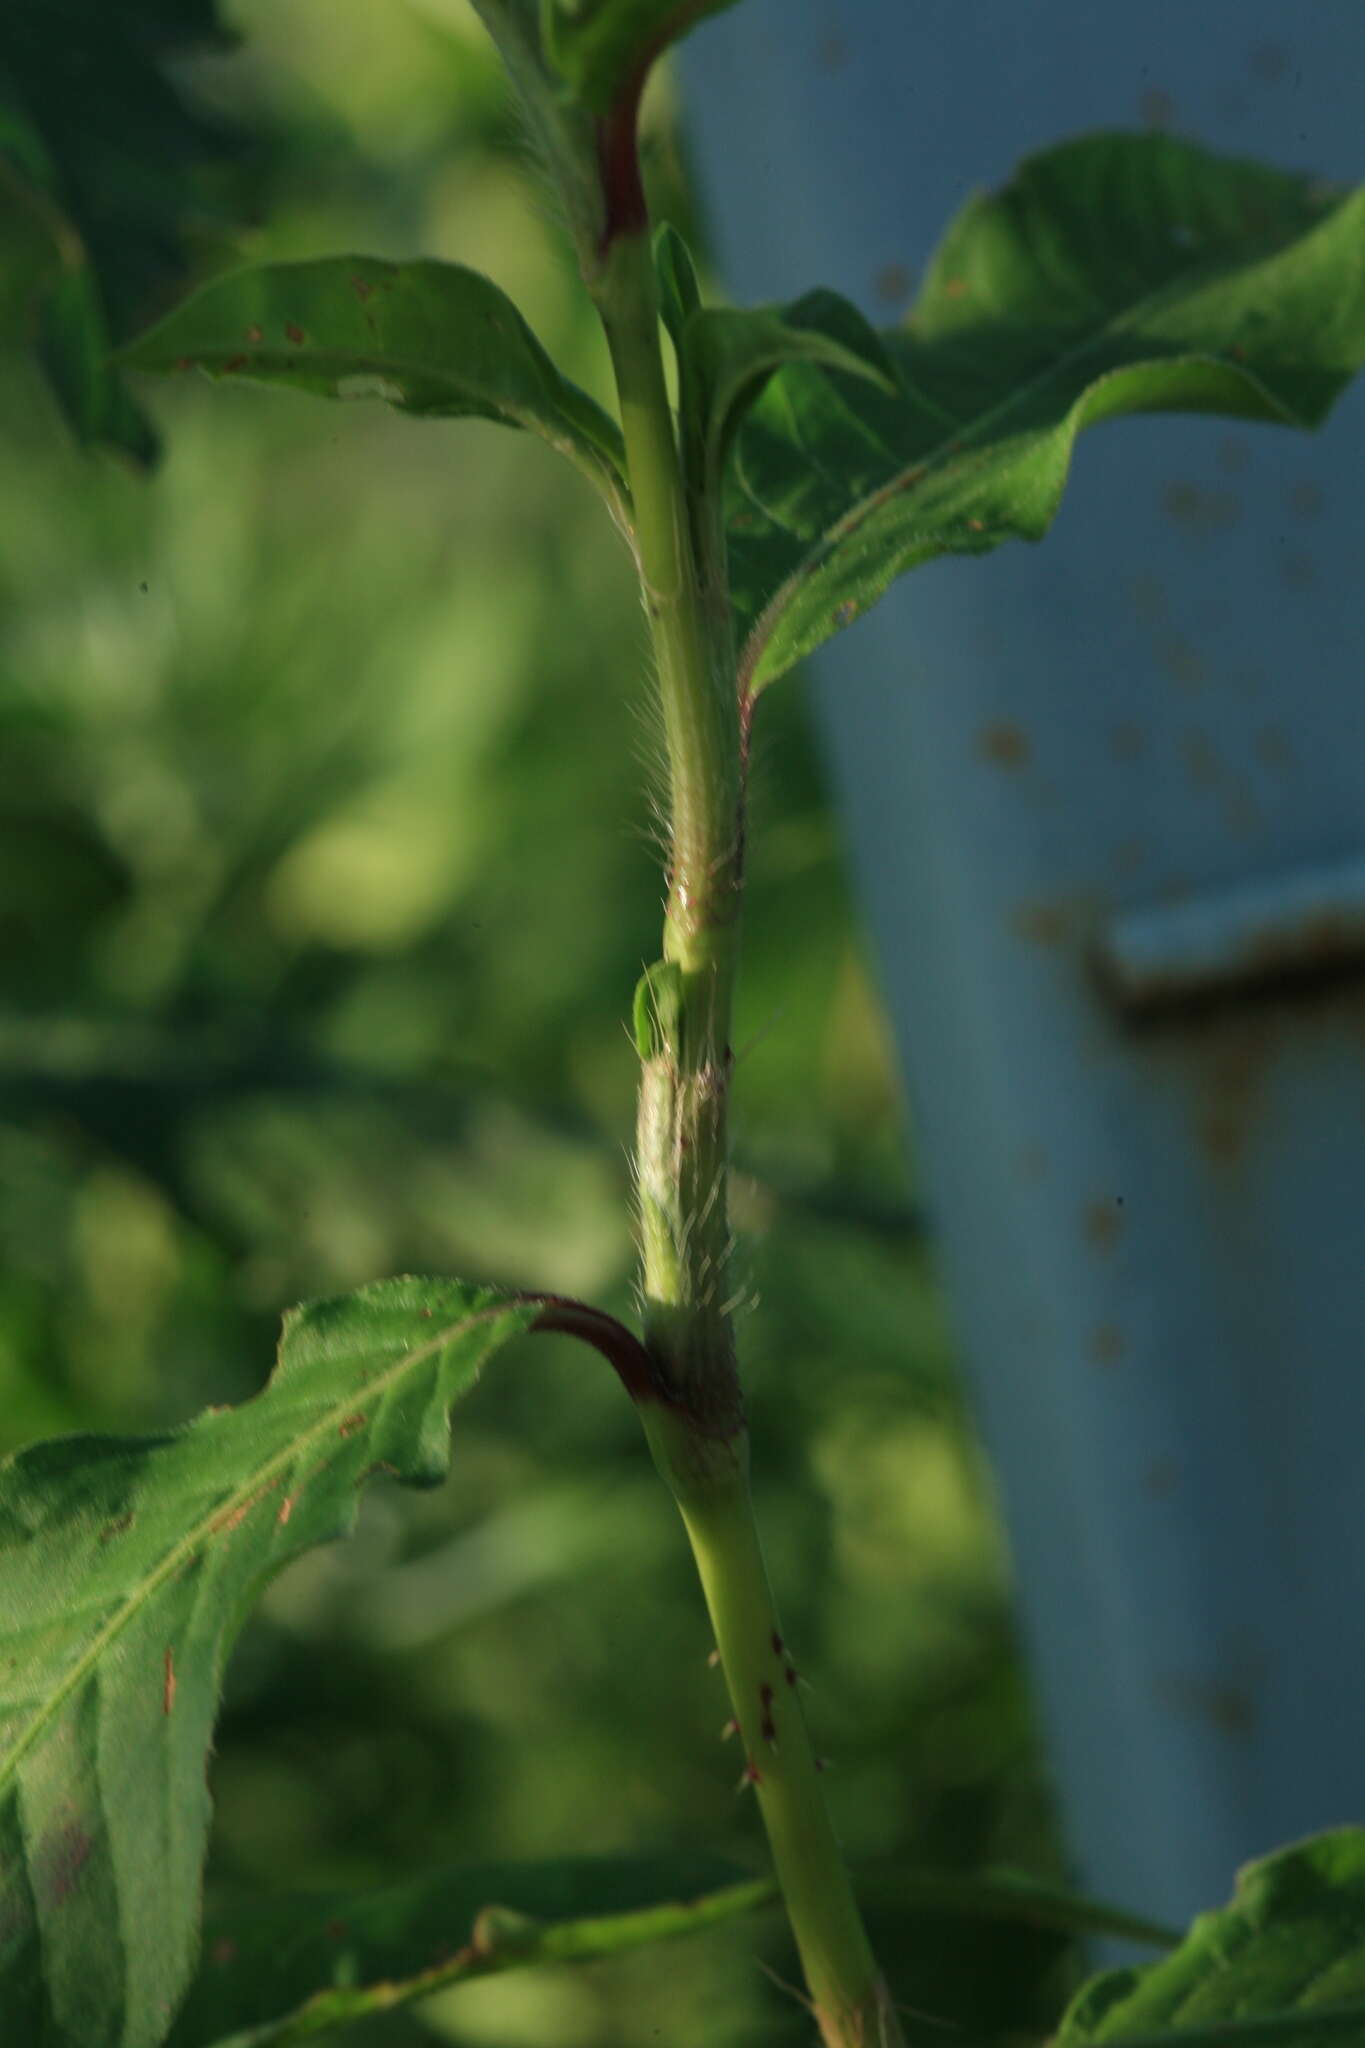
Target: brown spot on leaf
351,1424
254,334
362,288
955,288
337,1930
976,526
224,1951
168,1681
61,1860
116,1527
234,363
286,1509
293,332
184,362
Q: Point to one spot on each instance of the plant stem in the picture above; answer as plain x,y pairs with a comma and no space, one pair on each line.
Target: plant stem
696,1430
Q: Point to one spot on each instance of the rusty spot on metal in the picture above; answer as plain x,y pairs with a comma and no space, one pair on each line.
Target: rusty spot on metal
1199,511
1227,1705
1130,855
1202,764
1274,749
1042,924
1182,661
1031,1161
1268,62
892,284
1106,1344
1004,744
1161,1478
1102,1222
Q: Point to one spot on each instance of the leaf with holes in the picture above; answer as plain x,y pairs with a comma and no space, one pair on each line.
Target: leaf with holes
603,48
1117,274
431,338
1281,1966
127,1567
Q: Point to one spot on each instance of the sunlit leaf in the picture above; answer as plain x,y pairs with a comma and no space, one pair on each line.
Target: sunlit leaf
603,46
1282,1964
127,1567
284,1970
1113,275
430,338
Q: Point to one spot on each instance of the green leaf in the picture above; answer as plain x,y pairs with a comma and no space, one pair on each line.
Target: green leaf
284,1970
127,1567
1113,275
728,354
431,338
1283,1963
603,48
679,292
102,145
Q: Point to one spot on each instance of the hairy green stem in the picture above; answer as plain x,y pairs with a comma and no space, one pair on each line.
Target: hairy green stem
696,1430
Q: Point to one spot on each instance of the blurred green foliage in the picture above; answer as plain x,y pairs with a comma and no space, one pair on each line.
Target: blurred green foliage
327,868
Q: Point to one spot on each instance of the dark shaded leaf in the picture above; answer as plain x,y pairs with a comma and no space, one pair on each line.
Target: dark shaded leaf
287,1969
98,144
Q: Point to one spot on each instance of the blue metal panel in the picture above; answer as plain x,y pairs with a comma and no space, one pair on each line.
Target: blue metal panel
1107,801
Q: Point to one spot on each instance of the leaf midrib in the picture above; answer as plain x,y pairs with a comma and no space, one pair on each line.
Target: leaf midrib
197,1536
